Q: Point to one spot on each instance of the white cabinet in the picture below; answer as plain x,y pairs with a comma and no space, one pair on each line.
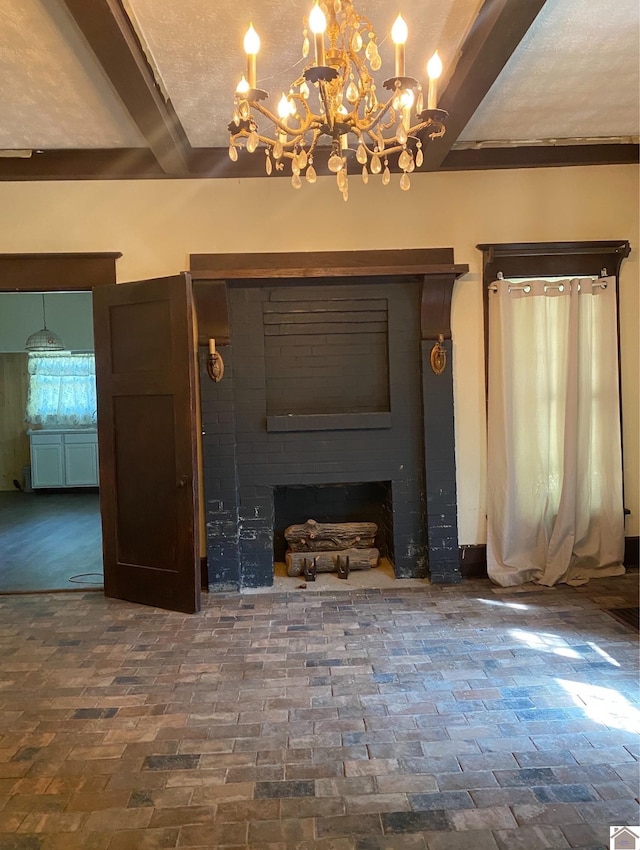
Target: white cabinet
47,460
64,458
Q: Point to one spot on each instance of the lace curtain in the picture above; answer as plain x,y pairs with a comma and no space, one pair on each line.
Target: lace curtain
555,511
62,390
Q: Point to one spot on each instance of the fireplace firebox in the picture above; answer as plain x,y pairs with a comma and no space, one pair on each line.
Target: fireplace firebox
371,502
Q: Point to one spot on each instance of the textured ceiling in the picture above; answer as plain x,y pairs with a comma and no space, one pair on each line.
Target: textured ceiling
573,73
53,93
197,48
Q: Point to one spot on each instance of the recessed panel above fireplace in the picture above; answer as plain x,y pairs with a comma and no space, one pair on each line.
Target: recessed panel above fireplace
325,357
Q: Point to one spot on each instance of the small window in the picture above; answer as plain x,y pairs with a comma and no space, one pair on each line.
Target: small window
62,390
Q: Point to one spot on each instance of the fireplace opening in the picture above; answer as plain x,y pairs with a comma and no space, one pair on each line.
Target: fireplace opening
363,502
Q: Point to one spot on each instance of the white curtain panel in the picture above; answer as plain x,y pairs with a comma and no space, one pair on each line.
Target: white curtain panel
62,390
555,510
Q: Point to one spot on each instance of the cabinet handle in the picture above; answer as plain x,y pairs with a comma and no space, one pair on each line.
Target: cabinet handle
183,481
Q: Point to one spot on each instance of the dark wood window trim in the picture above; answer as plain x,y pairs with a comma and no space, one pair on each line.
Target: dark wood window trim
548,259
551,259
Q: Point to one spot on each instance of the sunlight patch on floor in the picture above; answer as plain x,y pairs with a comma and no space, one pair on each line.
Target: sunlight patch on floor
604,705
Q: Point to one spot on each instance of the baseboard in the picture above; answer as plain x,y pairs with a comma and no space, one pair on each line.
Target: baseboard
631,551
473,559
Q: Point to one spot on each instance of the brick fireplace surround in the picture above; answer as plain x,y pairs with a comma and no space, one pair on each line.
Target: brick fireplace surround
329,407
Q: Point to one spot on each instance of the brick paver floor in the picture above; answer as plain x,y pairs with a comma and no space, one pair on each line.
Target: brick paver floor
411,719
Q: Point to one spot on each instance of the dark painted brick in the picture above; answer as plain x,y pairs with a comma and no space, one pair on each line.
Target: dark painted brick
330,362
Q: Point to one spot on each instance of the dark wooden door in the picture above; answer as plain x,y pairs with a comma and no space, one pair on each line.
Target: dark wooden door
145,373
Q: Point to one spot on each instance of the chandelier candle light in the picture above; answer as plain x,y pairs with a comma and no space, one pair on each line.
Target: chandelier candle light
346,109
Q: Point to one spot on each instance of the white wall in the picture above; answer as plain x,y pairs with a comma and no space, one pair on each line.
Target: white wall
156,224
69,314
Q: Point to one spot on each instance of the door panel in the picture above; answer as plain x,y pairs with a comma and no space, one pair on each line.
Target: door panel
145,374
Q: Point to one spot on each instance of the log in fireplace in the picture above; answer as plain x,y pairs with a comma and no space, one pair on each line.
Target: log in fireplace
337,400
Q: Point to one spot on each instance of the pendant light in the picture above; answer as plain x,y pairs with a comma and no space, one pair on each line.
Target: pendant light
44,339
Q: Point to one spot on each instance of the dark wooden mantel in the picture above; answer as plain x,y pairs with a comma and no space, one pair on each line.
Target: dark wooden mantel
434,266
418,261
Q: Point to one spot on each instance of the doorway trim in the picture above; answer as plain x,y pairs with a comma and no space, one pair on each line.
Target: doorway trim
58,272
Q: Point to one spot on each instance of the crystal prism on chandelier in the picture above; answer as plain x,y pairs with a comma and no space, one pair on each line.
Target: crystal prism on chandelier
336,97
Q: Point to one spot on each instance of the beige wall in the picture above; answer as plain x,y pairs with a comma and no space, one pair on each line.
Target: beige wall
157,224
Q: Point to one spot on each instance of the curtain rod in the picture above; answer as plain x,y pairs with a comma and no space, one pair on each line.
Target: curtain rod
525,287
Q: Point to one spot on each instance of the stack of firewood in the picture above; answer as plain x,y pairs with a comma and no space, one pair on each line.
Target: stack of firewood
331,547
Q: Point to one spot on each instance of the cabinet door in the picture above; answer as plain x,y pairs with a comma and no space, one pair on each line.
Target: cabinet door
81,464
47,465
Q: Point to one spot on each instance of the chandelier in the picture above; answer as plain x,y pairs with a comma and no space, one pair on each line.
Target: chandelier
336,96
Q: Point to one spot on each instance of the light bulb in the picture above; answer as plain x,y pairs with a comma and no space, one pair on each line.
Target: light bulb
434,69
434,66
407,99
251,47
243,86
284,107
399,31
251,41
317,20
317,25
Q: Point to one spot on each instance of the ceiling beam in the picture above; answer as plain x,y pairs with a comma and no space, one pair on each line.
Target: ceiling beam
83,164
540,156
108,30
497,31
140,164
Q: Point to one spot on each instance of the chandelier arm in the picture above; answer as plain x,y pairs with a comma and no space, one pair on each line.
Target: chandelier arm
381,114
290,144
393,149
370,127
370,151
308,119
243,134
436,134
306,124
